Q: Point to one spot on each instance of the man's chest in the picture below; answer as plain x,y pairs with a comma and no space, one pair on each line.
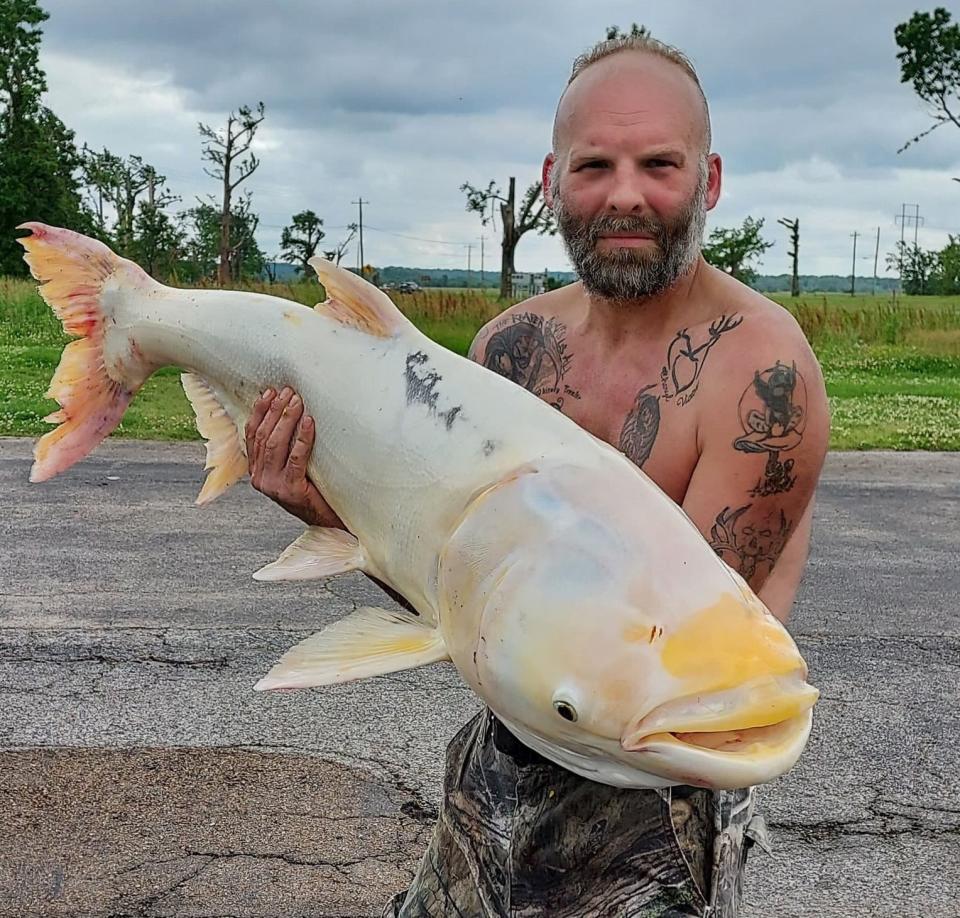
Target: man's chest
633,411
647,403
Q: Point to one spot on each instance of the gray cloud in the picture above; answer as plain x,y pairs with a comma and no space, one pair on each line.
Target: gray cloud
403,101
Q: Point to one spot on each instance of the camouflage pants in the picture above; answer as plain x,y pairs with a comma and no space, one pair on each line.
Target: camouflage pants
520,836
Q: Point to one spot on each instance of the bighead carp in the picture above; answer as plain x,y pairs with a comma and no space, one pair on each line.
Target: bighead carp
573,596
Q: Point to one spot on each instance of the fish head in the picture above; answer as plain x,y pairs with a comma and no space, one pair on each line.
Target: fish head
633,661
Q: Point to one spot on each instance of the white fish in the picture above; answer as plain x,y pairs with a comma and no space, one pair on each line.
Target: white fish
573,596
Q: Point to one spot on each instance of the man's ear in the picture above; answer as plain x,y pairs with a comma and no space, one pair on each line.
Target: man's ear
714,179
549,163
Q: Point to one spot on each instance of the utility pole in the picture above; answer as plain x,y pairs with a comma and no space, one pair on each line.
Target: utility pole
905,220
361,202
853,273
794,227
876,258
483,282
469,268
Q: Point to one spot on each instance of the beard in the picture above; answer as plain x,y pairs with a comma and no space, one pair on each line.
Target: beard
621,274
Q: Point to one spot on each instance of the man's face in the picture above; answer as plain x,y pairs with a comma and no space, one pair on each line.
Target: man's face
630,183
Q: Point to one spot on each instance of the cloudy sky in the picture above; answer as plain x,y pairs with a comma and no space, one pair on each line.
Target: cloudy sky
401,101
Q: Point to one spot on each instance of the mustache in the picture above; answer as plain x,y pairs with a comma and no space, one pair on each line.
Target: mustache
646,226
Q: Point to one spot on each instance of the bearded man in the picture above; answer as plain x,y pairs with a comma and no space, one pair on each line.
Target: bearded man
707,386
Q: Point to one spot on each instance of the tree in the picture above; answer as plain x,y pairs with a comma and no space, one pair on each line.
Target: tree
158,241
636,31
917,267
38,157
229,150
202,248
794,254
731,250
534,215
335,255
299,241
948,268
121,182
930,61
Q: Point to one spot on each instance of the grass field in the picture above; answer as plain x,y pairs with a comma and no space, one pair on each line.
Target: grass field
892,366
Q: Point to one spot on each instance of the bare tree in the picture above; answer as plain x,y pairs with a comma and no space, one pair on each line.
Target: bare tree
794,227
336,254
534,215
233,163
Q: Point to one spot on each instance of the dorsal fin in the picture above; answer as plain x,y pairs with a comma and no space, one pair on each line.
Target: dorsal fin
353,301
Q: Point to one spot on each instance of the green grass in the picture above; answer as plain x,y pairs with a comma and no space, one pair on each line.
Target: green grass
892,368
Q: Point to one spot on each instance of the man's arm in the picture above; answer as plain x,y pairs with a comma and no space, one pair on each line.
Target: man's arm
763,437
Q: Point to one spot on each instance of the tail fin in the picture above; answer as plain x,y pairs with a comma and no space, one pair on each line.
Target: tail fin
72,270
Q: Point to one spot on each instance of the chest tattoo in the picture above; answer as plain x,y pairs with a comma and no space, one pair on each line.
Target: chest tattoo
679,382
532,351
773,414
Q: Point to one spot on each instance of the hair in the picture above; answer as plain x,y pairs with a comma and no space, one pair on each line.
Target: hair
648,45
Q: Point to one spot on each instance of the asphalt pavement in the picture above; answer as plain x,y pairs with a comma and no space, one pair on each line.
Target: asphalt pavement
141,775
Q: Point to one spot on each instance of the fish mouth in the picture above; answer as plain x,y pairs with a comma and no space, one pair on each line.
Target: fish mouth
730,738
746,742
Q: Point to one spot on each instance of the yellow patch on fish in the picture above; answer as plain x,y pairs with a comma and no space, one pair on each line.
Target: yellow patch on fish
732,644
292,317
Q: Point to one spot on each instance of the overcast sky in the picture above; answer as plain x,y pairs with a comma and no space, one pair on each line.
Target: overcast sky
401,101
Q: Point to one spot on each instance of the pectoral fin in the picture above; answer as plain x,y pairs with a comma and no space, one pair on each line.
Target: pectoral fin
319,552
369,642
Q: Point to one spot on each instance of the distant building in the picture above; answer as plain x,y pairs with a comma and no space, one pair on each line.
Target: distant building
528,284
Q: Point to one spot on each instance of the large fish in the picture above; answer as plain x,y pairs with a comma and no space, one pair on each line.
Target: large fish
573,596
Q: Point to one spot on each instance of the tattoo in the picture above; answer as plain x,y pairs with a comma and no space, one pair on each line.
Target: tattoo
680,378
532,351
422,387
773,414
748,548
640,429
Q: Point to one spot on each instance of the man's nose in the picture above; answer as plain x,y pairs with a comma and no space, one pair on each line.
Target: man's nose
626,193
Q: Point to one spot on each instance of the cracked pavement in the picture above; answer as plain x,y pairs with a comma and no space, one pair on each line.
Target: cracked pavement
141,775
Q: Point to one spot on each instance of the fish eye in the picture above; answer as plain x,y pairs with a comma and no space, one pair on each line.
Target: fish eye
566,710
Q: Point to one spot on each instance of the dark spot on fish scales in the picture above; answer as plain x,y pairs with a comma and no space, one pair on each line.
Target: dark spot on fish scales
489,447
422,387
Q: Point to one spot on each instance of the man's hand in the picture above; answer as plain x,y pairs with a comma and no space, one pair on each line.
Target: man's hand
279,442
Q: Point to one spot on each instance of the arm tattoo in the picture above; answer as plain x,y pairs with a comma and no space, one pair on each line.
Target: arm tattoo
748,548
679,379
773,414
532,352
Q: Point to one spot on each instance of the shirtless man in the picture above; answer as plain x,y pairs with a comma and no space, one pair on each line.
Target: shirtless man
705,384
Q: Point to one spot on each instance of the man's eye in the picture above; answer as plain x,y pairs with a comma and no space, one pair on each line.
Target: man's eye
594,164
659,163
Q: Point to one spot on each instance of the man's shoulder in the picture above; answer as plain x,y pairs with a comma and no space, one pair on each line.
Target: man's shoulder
533,314
766,326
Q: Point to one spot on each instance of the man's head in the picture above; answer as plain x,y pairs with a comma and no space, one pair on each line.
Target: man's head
631,175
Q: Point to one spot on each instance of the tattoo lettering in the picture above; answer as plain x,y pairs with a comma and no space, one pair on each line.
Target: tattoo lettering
748,548
680,378
640,429
773,414
531,351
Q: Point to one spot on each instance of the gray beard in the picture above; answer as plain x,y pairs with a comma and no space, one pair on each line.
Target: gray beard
630,273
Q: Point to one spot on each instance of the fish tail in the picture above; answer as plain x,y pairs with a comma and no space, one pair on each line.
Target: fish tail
92,392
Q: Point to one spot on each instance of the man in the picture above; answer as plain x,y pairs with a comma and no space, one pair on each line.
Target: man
707,386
